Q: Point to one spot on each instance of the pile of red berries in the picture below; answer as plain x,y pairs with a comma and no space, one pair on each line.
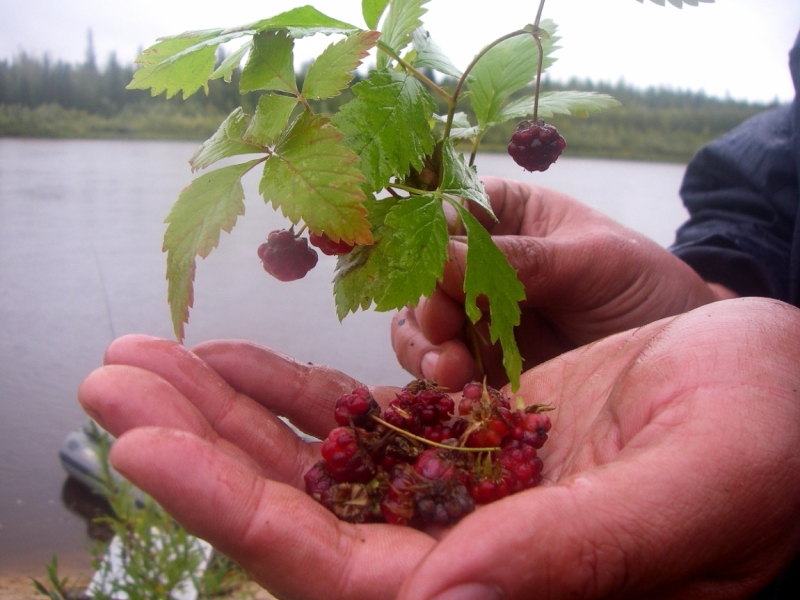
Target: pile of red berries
422,461
536,146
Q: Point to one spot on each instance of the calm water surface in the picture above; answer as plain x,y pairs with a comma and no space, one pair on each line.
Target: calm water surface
80,264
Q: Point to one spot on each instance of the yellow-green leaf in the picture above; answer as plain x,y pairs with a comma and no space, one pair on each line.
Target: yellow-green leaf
208,205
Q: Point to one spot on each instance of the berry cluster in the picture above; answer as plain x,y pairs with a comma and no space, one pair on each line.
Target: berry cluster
422,460
536,146
288,257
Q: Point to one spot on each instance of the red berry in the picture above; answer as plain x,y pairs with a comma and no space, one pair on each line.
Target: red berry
355,409
346,460
536,146
328,246
287,257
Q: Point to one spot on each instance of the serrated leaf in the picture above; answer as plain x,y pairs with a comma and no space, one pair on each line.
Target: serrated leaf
488,273
270,119
461,180
230,64
505,69
578,104
226,142
271,64
387,125
300,22
180,63
430,55
372,11
363,274
333,69
403,18
208,205
312,177
416,248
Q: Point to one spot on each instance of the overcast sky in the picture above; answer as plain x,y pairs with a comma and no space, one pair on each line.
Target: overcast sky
735,48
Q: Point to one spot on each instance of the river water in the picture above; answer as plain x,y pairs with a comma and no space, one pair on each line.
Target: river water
81,263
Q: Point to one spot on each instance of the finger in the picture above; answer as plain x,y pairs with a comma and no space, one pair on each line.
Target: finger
449,364
304,393
233,416
439,317
282,538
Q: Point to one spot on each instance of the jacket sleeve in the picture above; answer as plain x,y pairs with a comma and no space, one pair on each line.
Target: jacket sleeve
741,192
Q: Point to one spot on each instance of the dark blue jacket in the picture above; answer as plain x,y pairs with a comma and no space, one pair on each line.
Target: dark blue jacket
742,194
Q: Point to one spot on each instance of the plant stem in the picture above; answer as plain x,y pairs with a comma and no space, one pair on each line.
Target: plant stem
422,440
451,113
541,61
417,73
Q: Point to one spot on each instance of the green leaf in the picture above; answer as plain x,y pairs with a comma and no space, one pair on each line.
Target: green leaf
403,18
579,104
208,205
271,64
372,11
415,245
505,69
270,119
461,129
461,180
488,273
226,142
302,22
430,55
333,69
228,66
312,177
180,63
363,274
387,125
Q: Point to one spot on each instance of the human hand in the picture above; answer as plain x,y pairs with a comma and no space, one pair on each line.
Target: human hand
585,277
672,468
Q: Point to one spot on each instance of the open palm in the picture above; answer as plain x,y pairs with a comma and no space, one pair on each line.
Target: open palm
672,467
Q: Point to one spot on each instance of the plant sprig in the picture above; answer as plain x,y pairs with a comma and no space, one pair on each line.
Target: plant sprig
332,173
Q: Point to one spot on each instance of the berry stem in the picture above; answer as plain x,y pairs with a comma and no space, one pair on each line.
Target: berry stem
541,60
423,440
457,91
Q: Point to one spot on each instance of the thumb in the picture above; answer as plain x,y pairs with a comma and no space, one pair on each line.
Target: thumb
590,536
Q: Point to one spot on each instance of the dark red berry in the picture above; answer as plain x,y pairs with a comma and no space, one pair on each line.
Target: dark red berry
536,146
328,246
287,257
318,481
356,408
346,460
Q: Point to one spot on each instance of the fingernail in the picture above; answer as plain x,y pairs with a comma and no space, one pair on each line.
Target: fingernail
471,591
428,365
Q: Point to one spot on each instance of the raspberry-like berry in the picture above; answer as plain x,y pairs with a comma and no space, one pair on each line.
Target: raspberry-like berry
346,460
287,257
328,246
318,482
536,146
356,408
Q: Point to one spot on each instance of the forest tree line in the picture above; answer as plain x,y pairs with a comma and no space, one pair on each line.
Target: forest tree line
40,97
